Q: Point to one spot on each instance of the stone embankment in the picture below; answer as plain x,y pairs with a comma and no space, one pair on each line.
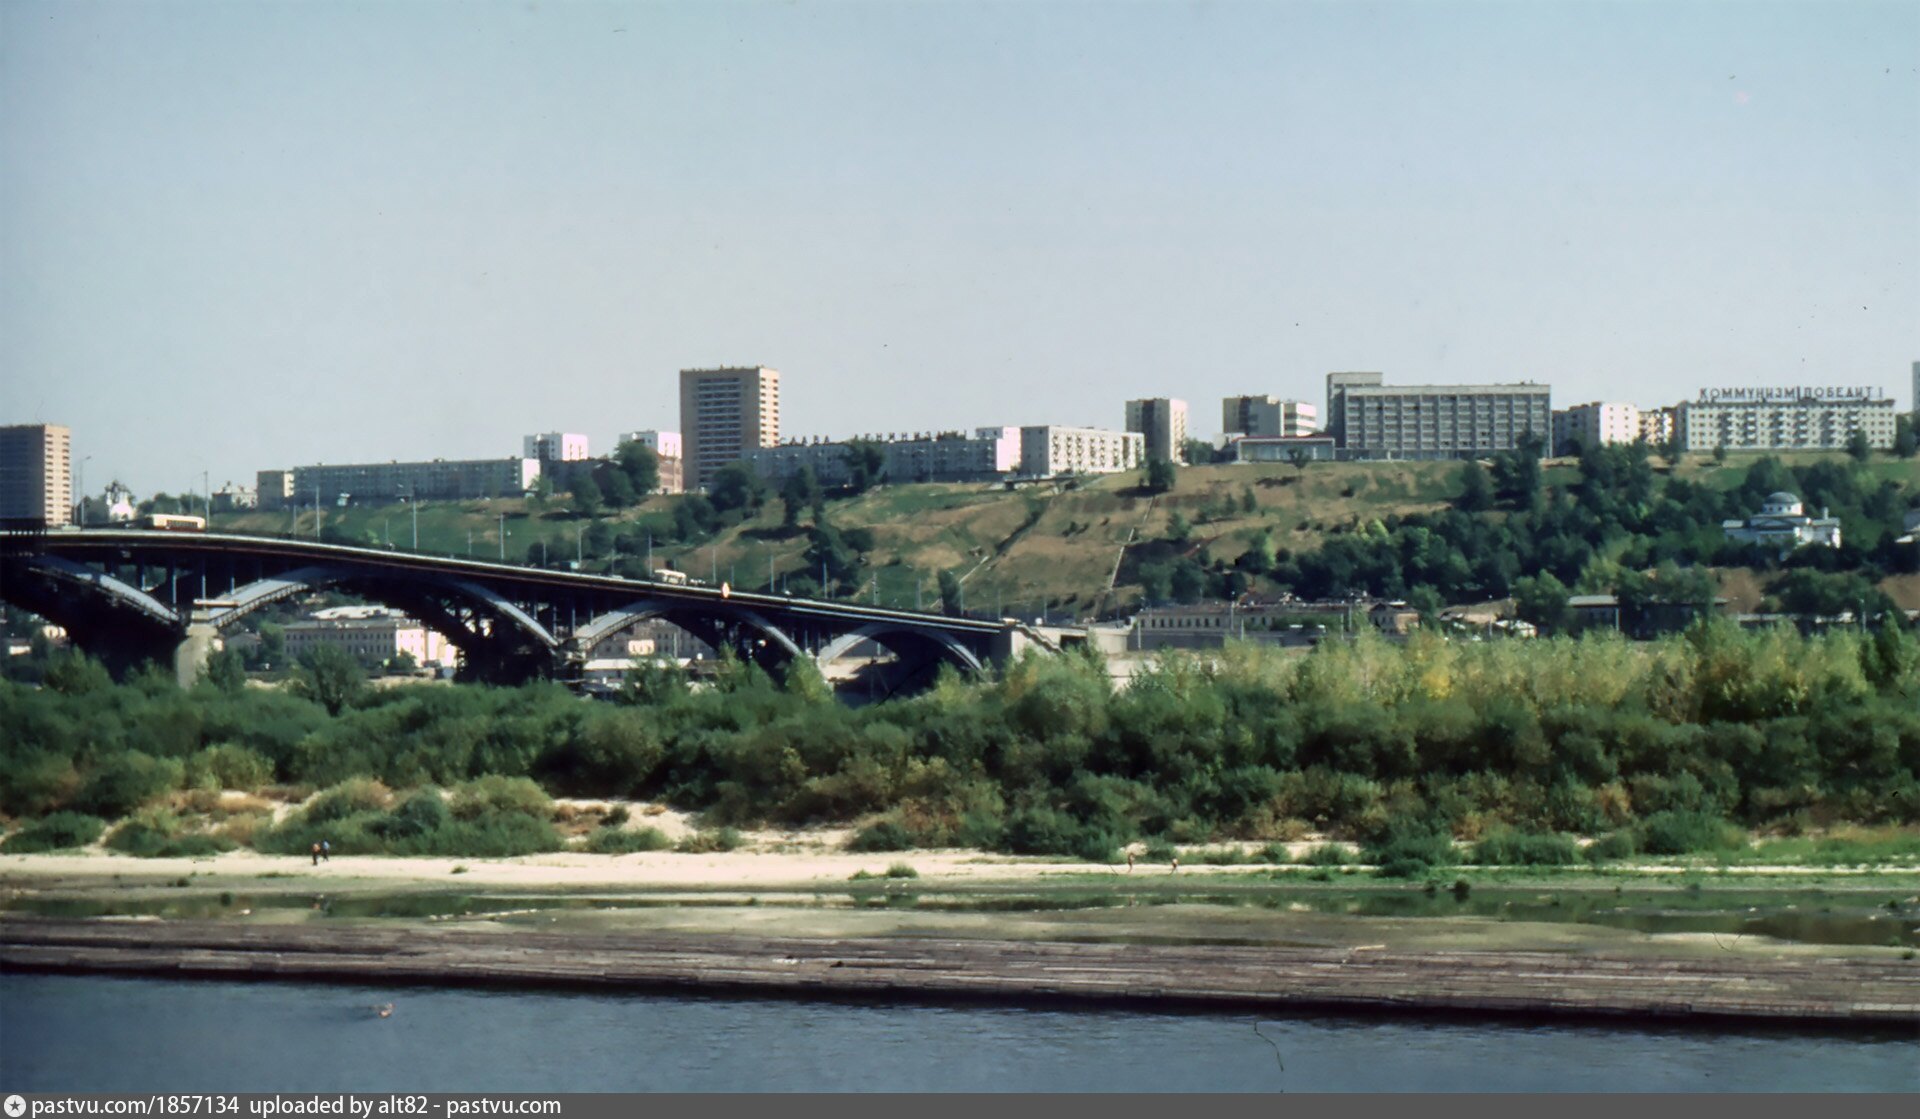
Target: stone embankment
1834,990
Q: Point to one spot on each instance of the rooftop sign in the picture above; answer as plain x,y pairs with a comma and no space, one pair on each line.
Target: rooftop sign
1802,392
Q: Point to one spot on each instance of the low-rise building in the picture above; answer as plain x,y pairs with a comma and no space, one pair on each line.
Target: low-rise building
372,640
1783,523
230,498
1283,448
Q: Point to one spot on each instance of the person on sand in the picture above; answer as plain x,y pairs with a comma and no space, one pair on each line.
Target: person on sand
326,850
1129,860
316,854
1176,865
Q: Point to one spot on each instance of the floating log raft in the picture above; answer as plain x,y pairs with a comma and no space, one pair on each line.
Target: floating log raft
1836,990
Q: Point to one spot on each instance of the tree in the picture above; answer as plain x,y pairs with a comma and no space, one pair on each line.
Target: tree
800,490
1859,448
866,464
1905,441
1476,488
1179,529
641,466
952,599
1160,475
1426,602
1299,457
226,671
736,486
1542,600
1249,504
587,499
542,491
619,491
1198,452
330,677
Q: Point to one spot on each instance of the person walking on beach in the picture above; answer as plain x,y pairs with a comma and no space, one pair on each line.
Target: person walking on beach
326,850
316,854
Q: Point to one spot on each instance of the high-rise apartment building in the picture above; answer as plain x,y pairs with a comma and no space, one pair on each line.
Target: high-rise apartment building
36,474
1267,416
1595,425
1163,424
1369,419
724,412
555,446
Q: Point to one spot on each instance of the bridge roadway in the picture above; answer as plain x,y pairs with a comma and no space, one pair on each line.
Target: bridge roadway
132,595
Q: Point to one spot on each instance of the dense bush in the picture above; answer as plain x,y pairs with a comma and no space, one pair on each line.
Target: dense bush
1665,746
625,841
57,832
1514,848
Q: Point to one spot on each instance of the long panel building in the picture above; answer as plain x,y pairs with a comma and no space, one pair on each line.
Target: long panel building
439,480
1047,451
1783,419
36,474
725,413
1372,420
990,453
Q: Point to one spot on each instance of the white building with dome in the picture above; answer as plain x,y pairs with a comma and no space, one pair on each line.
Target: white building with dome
1782,523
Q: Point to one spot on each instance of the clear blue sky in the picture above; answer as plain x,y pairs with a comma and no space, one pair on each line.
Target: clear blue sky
245,235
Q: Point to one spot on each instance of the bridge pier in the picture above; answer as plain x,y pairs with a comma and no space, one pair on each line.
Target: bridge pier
195,649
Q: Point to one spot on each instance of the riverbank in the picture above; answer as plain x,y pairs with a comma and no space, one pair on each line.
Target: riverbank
1832,990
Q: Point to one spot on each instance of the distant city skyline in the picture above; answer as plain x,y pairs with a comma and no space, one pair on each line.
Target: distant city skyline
242,237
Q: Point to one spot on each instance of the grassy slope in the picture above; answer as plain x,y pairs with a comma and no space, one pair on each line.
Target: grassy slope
1020,548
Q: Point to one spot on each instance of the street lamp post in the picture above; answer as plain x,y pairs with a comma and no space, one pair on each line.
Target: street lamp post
503,538
579,547
83,490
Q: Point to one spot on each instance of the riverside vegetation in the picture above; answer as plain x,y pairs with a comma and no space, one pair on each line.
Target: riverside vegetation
1687,744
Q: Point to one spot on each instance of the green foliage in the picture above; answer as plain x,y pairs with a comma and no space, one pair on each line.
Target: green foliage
1506,847
1684,833
330,677
1409,848
736,488
1159,476
126,781
709,841
884,835
626,841
56,832
901,870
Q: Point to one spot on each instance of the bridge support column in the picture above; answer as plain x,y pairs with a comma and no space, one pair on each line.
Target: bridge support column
191,655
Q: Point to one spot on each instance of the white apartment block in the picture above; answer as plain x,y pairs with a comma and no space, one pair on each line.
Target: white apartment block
439,480
1784,419
1370,419
274,488
373,640
1595,425
1047,451
555,446
1267,416
1657,426
36,474
723,414
1163,421
666,446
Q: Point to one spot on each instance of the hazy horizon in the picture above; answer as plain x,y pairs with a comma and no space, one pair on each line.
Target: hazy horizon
246,236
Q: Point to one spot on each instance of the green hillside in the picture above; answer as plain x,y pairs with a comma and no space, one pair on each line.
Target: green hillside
1059,545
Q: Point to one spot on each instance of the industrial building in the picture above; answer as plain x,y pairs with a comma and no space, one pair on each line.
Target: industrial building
1371,420
723,414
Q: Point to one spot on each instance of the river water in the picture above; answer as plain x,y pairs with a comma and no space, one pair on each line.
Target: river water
106,1034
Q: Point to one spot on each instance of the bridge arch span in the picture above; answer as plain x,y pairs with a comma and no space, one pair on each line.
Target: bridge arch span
722,625
909,643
